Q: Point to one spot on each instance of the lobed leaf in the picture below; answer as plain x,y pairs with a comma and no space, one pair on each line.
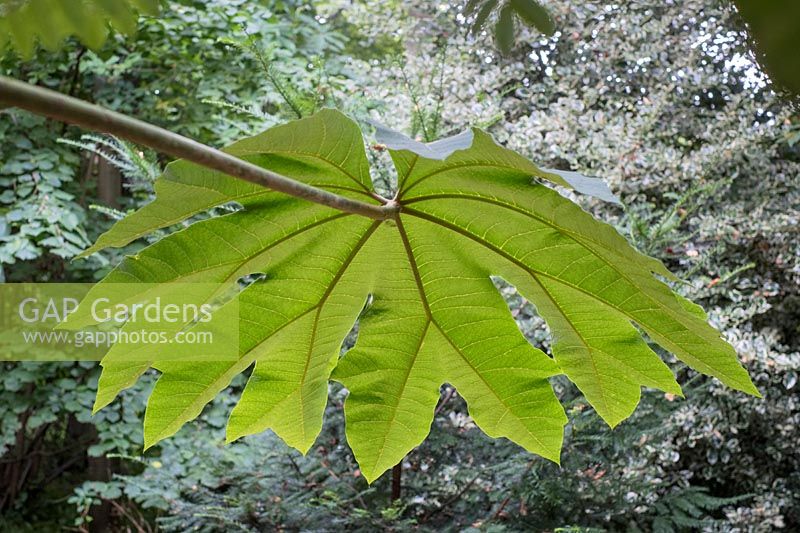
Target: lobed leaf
470,210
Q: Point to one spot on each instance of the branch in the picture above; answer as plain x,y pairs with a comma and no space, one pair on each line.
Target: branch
64,108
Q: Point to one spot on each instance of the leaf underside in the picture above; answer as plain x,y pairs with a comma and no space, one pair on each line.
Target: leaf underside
434,314
24,23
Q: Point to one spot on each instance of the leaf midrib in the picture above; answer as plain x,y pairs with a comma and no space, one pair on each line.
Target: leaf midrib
236,273
583,341
248,357
309,155
167,222
242,363
443,223
575,236
420,287
400,395
436,220
318,307
247,259
443,170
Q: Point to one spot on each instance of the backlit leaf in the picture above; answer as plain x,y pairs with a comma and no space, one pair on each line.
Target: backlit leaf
422,285
23,23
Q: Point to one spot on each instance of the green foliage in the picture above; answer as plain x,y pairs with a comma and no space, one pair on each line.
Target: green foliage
175,65
529,12
24,23
534,15
40,212
192,482
469,211
140,168
504,31
686,509
427,116
299,104
46,426
601,100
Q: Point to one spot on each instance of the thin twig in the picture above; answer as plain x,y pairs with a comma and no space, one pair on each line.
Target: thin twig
418,111
450,392
455,497
76,76
134,522
503,504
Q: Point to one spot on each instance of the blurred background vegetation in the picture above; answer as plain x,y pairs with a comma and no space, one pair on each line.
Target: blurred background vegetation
663,100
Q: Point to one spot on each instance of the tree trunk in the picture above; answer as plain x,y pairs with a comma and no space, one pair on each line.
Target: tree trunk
397,478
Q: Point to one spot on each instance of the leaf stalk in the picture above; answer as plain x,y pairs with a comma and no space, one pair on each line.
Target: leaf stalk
71,110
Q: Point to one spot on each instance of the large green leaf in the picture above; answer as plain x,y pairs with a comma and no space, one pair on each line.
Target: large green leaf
470,210
23,23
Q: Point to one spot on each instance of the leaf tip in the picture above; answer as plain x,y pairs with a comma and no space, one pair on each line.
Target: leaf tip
374,473
614,421
740,380
751,389
369,477
674,388
151,440
232,436
86,253
552,454
556,458
302,448
99,403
